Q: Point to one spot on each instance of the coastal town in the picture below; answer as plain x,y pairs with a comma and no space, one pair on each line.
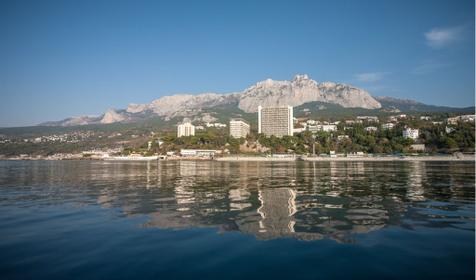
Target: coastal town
274,134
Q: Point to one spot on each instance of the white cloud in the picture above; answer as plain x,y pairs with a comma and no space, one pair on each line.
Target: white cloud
428,67
370,77
441,37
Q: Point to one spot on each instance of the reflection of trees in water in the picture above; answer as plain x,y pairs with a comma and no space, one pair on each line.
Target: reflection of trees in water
268,199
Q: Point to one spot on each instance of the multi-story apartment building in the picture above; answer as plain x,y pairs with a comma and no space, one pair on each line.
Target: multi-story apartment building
239,128
277,121
185,129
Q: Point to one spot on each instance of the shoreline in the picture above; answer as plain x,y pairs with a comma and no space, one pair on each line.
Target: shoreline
416,158
328,159
464,158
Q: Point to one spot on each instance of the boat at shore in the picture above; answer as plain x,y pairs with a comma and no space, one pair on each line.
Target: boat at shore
133,157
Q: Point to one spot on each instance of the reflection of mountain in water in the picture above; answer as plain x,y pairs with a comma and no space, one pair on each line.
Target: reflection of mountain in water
305,200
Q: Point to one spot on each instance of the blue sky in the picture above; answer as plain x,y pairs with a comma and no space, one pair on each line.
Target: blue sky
70,58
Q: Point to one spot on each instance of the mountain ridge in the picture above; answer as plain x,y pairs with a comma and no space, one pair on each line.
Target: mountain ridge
298,91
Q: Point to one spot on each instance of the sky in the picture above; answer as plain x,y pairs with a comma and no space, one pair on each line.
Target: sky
69,58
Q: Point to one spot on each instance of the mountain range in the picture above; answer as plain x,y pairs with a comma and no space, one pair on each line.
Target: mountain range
301,90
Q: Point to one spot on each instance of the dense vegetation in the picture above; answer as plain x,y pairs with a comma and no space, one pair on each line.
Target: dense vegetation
382,141
347,139
212,138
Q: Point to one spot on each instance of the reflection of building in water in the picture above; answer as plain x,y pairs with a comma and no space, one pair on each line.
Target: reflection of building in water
415,177
187,168
183,185
238,199
258,198
356,167
367,215
149,174
184,197
335,175
346,170
202,169
105,199
276,214
278,207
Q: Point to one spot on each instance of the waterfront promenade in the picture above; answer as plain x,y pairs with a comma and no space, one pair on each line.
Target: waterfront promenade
362,158
285,158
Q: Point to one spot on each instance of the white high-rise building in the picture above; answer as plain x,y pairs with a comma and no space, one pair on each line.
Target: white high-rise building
185,129
239,128
277,121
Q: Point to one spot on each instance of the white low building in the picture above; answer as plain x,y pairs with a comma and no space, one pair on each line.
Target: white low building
371,129
411,133
393,118
350,122
299,130
418,147
322,127
329,127
462,118
314,128
342,137
218,125
388,125
368,118
449,129
198,153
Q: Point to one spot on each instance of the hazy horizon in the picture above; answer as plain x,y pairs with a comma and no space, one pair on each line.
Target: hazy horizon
67,58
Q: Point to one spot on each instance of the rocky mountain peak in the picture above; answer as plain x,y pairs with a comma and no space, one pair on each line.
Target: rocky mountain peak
111,116
301,89
300,77
137,108
266,84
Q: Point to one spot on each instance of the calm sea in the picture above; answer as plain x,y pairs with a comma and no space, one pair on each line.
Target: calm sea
249,220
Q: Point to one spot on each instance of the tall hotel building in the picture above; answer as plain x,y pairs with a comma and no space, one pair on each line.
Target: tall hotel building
277,121
239,128
185,129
